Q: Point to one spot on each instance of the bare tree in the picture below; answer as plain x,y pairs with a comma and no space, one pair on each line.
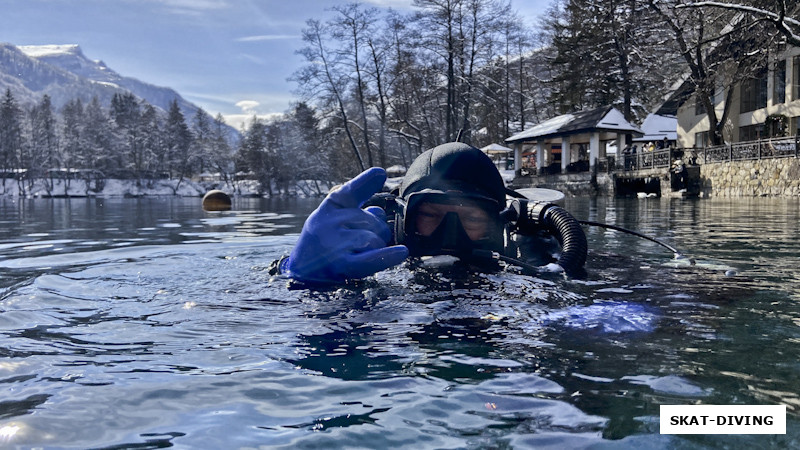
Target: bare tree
351,27
721,49
321,78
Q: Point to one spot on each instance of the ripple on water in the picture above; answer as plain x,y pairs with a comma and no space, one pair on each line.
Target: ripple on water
197,345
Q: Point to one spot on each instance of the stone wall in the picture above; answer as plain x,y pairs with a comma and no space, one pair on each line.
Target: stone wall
764,177
571,184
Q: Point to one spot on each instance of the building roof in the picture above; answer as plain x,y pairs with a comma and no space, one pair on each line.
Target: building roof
496,148
606,118
657,127
678,93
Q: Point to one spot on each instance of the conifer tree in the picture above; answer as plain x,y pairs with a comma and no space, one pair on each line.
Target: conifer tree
11,138
127,116
202,142
178,144
97,138
72,148
40,156
221,156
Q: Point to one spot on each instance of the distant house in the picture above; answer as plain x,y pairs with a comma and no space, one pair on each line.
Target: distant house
499,154
570,142
767,105
657,128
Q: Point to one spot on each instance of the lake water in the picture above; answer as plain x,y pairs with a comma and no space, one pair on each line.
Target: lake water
148,323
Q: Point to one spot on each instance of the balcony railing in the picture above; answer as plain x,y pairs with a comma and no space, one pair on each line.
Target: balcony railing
742,151
663,159
645,160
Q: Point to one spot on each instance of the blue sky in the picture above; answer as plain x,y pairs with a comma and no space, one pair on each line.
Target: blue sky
227,56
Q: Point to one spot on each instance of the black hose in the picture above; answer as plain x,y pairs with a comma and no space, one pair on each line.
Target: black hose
569,232
675,251
489,254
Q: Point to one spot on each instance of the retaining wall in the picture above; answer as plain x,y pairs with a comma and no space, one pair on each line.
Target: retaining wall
763,177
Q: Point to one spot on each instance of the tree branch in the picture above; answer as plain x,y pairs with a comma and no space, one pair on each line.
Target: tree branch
779,20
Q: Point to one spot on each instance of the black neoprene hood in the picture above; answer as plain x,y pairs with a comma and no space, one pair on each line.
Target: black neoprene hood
455,166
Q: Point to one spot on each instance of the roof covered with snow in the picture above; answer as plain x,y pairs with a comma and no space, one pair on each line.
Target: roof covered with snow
657,127
606,118
496,148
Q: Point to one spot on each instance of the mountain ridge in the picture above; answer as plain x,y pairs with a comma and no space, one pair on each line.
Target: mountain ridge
63,72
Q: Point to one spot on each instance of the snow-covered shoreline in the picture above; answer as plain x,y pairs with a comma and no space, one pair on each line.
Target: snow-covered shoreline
128,188
153,188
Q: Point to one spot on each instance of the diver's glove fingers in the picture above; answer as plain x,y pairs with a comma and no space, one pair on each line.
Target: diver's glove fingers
378,212
358,241
366,263
359,219
355,192
340,240
379,225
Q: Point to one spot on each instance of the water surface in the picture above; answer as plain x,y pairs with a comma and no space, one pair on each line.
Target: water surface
151,323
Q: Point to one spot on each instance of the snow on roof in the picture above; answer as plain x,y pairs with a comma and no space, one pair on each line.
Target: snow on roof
657,127
604,118
37,51
496,148
614,120
549,126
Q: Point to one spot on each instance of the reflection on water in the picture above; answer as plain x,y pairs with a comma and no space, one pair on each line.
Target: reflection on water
158,324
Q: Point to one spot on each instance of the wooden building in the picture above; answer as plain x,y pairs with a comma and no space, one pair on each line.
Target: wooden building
571,142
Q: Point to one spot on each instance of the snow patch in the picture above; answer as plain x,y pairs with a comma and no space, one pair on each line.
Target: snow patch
106,83
38,51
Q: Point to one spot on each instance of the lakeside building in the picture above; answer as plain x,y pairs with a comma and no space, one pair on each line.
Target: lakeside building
573,142
764,106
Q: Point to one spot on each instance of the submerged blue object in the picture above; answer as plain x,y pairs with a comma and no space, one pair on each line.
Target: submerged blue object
608,317
341,241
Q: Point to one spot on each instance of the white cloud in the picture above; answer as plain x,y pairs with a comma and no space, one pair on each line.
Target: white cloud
249,107
267,37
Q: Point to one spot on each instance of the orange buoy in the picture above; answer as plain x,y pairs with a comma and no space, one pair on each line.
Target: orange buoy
216,200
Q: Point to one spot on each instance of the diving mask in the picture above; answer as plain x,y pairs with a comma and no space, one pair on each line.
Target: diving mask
450,222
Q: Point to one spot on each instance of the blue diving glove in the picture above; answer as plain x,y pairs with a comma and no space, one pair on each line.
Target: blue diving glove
341,241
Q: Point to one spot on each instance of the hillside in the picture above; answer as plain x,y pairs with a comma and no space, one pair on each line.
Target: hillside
64,73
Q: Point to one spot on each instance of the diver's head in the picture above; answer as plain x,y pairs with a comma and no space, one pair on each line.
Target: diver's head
452,196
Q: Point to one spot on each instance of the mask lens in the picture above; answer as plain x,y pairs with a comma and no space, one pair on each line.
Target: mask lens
450,223
427,210
475,219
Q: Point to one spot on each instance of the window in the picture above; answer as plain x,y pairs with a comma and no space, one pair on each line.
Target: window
754,93
751,132
796,78
701,139
699,108
779,83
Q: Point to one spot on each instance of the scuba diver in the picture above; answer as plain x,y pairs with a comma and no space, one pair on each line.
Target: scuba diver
452,201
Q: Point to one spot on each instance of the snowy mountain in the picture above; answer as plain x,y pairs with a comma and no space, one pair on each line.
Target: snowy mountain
29,79
65,73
